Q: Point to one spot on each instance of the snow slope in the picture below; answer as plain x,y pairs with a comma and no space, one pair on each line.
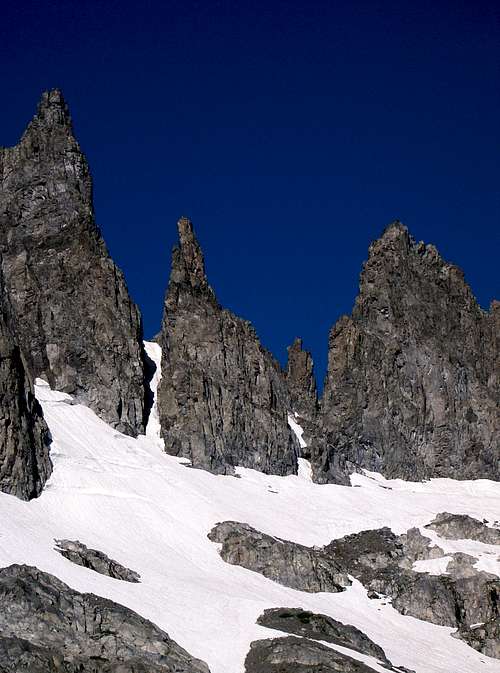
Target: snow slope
152,513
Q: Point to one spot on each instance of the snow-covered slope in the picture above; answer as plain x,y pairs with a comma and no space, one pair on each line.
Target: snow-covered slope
152,513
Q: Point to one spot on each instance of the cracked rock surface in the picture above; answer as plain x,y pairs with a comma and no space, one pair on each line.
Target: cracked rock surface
95,560
463,527
299,655
77,326
321,627
25,464
383,563
222,399
413,388
287,563
47,627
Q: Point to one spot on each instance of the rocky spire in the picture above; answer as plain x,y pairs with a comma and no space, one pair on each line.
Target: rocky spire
53,110
76,322
410,388
223,399
301,381
24,436
190,265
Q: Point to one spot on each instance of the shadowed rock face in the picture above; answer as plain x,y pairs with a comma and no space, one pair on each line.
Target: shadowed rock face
46,626
78,553
288,563
301,381
75,320
412,388
463,527
223,399
321,627
24,437
299,655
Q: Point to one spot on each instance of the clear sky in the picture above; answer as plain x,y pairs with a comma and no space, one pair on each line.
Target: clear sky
290,133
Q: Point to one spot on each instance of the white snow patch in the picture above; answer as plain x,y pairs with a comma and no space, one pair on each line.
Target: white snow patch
487,555
434,566
297,429
153,430
304,469
147,510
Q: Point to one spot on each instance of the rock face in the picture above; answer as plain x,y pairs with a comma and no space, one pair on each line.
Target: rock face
412,388
75,320
463,527
483,637
45,626
24,437
78,553
223,399
299,655
301,381
321,627
288,563
382,562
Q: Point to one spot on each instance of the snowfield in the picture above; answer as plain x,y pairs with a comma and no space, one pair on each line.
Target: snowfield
152,512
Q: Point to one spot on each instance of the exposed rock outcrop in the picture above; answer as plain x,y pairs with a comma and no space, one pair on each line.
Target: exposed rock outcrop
463,527
301,381
24,437
412,388
306,624
75,320
299,655
223,399
289,563
46,626
382,562
483,637
78,553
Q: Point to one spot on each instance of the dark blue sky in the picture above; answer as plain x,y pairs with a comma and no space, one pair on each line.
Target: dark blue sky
290,132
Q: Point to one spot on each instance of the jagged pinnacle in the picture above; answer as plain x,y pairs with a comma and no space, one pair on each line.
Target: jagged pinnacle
190,254
296,345
395,229
53,109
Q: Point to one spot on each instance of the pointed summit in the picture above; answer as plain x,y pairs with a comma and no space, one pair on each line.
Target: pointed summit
222,399
77,325
394,238
394,229
190,261
410,387
53,109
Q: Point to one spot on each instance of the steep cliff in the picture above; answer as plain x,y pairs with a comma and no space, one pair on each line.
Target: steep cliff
301,381
76,322
412,384
24,437
223,399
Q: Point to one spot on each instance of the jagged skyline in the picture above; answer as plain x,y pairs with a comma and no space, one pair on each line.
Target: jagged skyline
291,139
